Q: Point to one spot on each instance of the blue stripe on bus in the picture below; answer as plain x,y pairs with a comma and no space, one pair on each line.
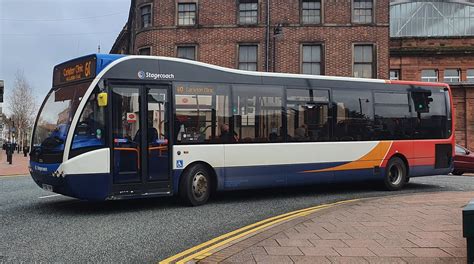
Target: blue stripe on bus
93,187
418,171
89,186
44,168
250,177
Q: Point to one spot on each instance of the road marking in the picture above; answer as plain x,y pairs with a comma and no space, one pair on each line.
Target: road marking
13,176
49,196
202,251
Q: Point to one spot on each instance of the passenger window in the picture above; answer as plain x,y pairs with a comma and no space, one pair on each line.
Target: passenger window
431,119
202,114
392,116
90,131
258,113
354,115
308,115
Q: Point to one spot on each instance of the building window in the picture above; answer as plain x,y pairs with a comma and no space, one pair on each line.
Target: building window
186,14
248,57
362,11
186,52
145,12
364,61
311,63
144,51
429,75
311,11
248,12
470,75
452,75
394,74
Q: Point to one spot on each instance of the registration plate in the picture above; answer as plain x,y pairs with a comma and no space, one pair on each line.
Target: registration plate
47,187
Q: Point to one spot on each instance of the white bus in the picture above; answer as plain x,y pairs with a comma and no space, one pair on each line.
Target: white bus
118,127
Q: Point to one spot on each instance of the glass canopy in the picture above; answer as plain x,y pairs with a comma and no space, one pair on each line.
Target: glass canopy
431,18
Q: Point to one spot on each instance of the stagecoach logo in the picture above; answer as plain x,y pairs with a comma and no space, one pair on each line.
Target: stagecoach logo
141,74
155,76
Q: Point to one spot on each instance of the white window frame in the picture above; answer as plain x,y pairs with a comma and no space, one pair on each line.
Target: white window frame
470,75
452,79
430,78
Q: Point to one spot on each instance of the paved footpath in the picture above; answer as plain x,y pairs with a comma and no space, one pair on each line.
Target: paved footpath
19,165
420,228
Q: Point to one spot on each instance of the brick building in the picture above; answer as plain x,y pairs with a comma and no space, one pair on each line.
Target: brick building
331,37
434,41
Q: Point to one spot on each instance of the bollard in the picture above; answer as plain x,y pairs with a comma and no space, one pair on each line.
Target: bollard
468,230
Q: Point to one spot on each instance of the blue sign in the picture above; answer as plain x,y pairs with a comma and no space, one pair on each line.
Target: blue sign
179,164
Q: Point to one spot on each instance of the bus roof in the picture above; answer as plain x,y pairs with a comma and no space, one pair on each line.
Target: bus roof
103,60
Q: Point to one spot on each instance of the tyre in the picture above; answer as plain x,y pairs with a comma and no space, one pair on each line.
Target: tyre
195,185
395,174
457,173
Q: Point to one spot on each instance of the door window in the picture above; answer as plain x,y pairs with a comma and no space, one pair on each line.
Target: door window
126,136
157,130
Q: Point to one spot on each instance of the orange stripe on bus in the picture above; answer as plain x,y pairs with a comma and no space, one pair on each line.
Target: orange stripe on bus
370,160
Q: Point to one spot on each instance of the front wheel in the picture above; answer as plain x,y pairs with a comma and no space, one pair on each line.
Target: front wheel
195,185
395,174
457,173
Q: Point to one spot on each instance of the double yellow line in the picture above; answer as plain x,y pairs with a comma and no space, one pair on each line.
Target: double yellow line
204,250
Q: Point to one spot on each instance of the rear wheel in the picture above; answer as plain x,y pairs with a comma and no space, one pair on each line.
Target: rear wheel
457,173
395,174
195,185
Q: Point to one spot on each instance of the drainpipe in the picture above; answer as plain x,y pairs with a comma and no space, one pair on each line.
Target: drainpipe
267,38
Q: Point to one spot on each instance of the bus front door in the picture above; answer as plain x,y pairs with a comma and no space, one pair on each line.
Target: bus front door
140,133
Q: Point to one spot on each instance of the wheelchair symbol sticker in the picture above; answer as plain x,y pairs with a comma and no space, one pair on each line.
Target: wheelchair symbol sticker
179,164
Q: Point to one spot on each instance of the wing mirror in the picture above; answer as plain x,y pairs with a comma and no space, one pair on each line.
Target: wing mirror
102,99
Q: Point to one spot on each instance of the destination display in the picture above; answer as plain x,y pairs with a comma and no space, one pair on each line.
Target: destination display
74,71
181,89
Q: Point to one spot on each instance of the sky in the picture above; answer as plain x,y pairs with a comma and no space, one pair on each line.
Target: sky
36,35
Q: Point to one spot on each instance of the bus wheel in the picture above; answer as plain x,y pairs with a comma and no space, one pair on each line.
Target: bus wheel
195,185
457,173
395,174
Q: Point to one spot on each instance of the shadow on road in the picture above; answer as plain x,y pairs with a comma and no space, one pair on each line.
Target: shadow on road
369,188
78,207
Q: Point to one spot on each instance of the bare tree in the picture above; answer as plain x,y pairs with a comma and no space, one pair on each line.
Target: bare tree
22,105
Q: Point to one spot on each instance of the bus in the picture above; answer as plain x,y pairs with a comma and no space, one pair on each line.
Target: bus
120,127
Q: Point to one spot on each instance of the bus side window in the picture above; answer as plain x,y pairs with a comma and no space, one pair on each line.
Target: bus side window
308,115
354,115
200,111
392,116
258,113
430,115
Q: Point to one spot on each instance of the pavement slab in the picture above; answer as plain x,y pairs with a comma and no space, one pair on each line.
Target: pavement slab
415,228
19,164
